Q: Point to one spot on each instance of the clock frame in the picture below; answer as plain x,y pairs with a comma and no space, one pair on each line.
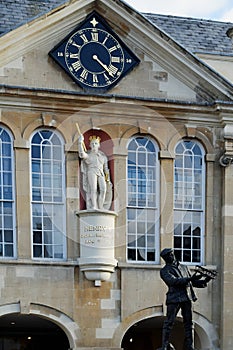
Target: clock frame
93,55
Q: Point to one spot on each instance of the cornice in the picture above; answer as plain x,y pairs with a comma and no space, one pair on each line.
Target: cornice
41,100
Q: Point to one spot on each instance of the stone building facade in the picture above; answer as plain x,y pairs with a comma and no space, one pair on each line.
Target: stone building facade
166,126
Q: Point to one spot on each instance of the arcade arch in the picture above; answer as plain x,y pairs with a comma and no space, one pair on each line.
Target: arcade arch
37,327
147,334
31,332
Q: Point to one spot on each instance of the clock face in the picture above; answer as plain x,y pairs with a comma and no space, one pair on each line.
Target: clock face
93,55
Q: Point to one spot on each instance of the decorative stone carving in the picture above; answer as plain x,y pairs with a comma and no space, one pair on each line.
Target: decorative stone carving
227,158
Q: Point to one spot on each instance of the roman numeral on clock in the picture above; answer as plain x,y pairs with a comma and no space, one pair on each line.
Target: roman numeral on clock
113,48
115,59
113,69
95,78
83,36
76,65
95,36
84,74
74,55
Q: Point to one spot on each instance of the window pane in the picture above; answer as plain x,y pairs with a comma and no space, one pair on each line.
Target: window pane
57,153
141,141
9,250
141,255
151,147
48,238
37,251
46,134
36,151
132,241
141,227
196,256
58,252
141,159
131,254
8,221
132,227
6,149
151,229
37,237
131,214
7,192
151,241
36,194
133,145
6,164
8,235
36,180
151,255
36,166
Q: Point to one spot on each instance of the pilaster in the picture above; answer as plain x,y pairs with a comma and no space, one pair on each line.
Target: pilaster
166,199
226,161
23,201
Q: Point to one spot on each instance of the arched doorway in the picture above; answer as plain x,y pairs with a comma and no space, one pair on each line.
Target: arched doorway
30,332
147,334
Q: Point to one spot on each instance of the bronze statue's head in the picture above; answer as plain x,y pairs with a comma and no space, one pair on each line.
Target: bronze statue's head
168,255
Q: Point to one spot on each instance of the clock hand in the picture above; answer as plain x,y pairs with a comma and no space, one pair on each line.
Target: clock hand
95,57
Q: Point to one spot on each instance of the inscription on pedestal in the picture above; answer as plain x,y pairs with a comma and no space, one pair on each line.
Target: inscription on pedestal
97,235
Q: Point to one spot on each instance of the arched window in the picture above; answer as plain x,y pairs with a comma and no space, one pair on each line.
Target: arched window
7,196
48,195
143,201
189,201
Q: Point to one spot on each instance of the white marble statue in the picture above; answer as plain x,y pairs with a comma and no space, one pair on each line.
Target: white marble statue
96,179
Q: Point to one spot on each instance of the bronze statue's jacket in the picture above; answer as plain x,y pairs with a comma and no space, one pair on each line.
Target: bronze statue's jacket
177,278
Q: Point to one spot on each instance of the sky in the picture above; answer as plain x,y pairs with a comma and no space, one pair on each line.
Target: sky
220,10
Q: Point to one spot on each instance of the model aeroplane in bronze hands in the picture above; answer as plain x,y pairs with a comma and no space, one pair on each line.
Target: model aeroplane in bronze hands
211,274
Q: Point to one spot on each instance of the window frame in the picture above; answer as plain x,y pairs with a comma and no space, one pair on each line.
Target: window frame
191,236
13,200
140,209
49,204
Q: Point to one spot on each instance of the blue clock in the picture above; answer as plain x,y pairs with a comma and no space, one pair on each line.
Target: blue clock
93,55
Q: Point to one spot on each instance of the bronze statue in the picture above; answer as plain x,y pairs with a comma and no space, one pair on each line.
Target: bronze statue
180,296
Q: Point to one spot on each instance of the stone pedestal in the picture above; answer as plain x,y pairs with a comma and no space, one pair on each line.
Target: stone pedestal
97,231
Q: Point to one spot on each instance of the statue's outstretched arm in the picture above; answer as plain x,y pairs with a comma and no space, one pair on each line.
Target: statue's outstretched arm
81,149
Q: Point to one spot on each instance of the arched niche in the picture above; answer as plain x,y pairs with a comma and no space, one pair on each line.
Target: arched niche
106,146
